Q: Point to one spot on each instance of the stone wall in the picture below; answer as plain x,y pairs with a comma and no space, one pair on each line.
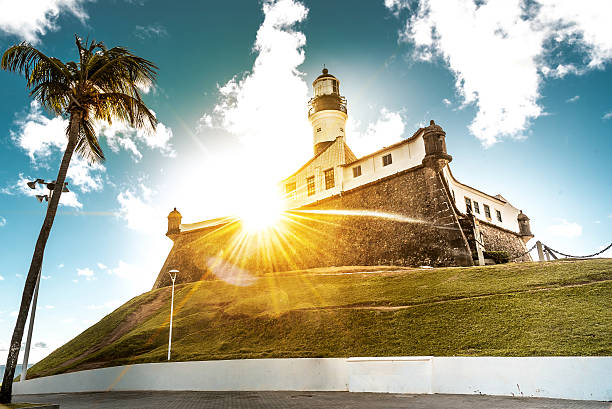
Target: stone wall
495,238
405,219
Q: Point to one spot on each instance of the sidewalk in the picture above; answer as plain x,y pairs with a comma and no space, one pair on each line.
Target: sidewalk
294,400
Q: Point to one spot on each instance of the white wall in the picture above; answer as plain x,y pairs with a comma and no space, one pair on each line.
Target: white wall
582,378
509,212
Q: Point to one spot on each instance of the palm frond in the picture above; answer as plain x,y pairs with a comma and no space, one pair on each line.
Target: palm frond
87,146
124,108
36,66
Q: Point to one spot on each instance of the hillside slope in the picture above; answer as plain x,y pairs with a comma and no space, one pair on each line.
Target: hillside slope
554,308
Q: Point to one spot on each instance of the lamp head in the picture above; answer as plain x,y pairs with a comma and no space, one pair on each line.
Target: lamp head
31,185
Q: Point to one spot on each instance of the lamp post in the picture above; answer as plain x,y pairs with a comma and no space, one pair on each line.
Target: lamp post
171,310
26,352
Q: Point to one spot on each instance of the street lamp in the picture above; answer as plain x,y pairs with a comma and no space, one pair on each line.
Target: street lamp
171,309
26,352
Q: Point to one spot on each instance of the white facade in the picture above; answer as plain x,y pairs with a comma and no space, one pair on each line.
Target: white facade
327,125
498,207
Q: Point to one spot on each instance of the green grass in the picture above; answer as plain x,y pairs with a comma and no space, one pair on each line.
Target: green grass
528,309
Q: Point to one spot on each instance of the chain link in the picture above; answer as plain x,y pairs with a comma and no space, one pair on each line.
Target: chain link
567,255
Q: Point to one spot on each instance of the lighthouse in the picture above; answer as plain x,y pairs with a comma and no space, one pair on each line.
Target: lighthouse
327,111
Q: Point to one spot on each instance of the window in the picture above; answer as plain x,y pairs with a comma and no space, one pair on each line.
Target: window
468,204
499,219
357,171
454,198
387,159
290,187
329,178
487,211
311,185
318,129
476,207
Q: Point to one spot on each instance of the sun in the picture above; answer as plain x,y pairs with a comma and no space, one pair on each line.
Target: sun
262,211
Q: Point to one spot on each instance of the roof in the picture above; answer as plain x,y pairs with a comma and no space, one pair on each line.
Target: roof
395,145
325,74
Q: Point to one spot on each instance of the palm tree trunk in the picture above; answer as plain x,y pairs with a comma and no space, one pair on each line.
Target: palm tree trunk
37,258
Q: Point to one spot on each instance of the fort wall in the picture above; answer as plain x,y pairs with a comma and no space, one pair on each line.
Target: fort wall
404,219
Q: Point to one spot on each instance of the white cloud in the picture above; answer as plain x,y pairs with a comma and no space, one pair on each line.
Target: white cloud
2,221
61,265
31,19
87,273
49,307
109,305
102,266
41,137
265,107
150,31
1,278
565,229
44,277
446,102
607,116
138,210
500,52
387,130
19,275
120,136
573,99
13,313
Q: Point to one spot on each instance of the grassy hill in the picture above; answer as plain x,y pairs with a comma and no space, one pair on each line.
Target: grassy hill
553,308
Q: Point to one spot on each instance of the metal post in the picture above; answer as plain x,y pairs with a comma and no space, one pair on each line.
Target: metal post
171,311
26,352
540,252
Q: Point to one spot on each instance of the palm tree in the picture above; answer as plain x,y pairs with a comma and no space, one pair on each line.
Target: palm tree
101,87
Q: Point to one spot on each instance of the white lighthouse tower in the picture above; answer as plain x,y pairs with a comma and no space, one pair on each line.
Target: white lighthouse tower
327,111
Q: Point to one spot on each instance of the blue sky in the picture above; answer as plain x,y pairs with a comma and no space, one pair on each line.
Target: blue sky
522,90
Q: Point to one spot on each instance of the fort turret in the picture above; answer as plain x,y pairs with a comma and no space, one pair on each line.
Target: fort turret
174,223
524,227
327,111
436,157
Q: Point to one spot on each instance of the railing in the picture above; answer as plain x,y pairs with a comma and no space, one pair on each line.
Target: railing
324,102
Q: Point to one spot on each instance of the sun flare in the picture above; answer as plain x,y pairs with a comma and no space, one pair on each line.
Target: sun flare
262,212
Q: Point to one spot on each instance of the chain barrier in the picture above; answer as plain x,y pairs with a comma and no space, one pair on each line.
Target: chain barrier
570,256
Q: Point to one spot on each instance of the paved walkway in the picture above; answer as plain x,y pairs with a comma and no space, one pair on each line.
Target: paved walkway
295,400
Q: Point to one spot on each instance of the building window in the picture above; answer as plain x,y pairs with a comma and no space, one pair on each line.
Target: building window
357,171
487,211
476,207
387,159
468,204
499,219
311,185
329,178
290,187
318,129
454,198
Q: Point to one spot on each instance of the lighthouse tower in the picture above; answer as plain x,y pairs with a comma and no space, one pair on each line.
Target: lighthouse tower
327,111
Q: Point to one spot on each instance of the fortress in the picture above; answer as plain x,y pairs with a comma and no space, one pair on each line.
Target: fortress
400,205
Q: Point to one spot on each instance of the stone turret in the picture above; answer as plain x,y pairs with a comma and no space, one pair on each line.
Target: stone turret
524,227
174,223
436,157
